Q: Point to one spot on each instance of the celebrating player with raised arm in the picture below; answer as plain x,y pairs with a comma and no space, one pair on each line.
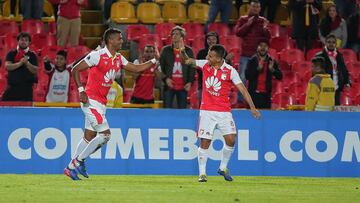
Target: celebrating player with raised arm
103,65
215,110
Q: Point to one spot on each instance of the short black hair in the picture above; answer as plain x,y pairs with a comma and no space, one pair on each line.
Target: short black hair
329,36
62,53
318,61
149,46
23,35
218,49
109,32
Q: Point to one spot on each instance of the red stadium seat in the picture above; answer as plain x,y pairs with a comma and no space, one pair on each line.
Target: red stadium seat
311,53
277,87
52,28
198,43
76,53
221,29
301,99
32,26
283,100
280,43
127,94
8,26
231,42
291,55
41,40
50,51
346,100
152,39
357,100
11,40
39,93
193,30
275,30
163,30
134,32
301,66
349,55
274,54
74,96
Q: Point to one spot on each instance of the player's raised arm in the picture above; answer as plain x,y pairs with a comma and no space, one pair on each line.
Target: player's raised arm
187,60
138,68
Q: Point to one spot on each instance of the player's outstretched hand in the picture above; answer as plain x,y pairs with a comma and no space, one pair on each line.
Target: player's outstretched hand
83,98
255,113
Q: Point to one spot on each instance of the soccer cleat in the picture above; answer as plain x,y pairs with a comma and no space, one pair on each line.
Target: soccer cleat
226,174
71,173
80,167
202,178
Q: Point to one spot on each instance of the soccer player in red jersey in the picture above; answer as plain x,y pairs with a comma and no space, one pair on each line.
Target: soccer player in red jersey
103,64
215,110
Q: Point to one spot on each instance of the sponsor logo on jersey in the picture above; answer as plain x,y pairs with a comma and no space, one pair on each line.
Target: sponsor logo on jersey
109,76
213,85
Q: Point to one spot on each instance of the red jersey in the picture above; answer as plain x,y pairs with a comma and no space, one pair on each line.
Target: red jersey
177,76
103,67
217,86
144,86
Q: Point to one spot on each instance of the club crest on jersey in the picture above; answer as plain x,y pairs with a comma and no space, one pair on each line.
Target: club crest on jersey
213,85
118,64
110,75
223,76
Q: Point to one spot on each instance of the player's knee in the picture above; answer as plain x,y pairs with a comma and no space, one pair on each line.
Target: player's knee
105,136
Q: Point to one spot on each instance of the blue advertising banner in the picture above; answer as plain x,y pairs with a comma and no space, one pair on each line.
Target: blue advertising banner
164,142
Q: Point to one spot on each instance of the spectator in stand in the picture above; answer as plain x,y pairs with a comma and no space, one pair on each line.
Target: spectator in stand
145,82
333,24
305,14
58,89
178,76
354,30
320,91
271,7
107,10
32,9
22,67
346,7
211,38
335,66
251,28
222,6
69,21
260,71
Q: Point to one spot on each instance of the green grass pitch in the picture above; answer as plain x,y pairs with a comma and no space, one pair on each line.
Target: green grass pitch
174,189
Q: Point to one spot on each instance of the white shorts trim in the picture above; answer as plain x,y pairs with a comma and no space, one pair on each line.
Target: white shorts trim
95,119
211,120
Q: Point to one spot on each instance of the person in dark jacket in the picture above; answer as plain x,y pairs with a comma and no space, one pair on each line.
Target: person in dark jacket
260,71
178,76
22,67
335,66
251,28
305,18
354,31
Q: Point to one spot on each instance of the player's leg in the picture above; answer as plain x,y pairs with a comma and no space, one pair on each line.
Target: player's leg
202,158
228,129
205,133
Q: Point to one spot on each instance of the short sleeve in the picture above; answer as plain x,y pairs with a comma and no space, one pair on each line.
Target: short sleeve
124,62
92,59
200,63
235,78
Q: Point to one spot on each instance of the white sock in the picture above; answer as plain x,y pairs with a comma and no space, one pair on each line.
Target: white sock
226,155
93,145
80,147
202,159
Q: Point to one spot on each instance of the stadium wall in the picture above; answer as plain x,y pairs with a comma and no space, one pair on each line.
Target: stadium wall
163,142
